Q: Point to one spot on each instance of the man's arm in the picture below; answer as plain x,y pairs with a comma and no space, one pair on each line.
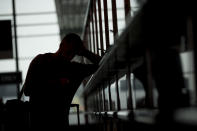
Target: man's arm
95,59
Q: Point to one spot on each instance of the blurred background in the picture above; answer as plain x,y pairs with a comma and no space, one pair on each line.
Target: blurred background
37,31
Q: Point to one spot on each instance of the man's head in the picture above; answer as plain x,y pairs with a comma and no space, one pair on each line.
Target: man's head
70,45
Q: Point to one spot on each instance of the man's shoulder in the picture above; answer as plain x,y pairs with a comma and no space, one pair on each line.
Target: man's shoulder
40,57
43,55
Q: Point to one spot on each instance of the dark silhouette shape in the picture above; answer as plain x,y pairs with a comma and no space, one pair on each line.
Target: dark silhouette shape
52,81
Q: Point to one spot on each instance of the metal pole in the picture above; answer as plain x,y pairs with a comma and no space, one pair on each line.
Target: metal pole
78,114
93,38
127,7
114,18
89,34
100,27
15,41
96,27
103,90
106,23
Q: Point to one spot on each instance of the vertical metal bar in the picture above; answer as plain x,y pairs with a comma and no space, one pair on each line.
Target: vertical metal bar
149,79
106,23
115,31
195,52
127,8
114,18
98,100
78,114
117,86
128,80
89,36
86,109
190,33
91,16
96,27
109,91
85,37
100,27
104,103
101,98
117,91
16,44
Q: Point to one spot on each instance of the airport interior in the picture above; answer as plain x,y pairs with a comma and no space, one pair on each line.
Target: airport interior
145,80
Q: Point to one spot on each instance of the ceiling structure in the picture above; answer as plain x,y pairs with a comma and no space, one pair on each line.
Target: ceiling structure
71,15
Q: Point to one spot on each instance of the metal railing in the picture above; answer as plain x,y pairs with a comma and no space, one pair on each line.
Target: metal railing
144,58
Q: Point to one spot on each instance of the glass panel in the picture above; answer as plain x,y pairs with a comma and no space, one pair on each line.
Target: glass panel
37,30
6,18
37,19
30,6
6,7
7,65
30,47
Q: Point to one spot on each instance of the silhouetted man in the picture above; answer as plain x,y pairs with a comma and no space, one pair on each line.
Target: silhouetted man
52,81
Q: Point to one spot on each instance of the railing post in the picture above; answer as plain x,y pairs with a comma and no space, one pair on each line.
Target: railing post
100,27
92,19
127,8
96,27
114,17
89,35
106,23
